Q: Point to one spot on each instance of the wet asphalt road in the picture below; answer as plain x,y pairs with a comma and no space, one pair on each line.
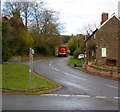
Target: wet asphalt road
82,91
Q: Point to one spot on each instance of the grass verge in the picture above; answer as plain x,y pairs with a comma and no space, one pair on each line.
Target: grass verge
26,58
16,77
73,61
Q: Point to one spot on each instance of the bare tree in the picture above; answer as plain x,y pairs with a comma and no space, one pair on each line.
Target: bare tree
9,7
25,8
37,10
90,28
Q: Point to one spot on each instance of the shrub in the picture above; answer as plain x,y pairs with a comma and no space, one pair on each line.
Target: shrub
77,52
52,50
42,49
6,54
90,49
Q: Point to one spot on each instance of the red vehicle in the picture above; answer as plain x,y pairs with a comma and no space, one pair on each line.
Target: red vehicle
62,51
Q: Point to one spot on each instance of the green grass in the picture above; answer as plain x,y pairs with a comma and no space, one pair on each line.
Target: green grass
37,57
73,61
16,77
26,58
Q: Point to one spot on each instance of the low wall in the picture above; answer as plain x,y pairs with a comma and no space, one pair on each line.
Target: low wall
103,72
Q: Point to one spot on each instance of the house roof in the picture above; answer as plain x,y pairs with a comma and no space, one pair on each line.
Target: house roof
114,15
91,35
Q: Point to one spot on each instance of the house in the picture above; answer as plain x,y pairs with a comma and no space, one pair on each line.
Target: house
104,43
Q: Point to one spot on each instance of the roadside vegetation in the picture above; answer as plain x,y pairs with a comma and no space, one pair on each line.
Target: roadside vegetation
73,61
76,45
16,77
26,58
24,26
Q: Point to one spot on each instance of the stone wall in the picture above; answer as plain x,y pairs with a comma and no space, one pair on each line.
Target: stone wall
103,72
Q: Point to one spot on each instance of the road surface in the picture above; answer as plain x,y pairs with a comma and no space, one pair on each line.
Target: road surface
81,91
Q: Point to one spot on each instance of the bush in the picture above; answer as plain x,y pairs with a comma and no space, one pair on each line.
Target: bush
77,52
42,49
91,46
52,50
6,54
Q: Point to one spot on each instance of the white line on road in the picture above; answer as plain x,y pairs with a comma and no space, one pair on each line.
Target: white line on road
82,96
55,69
112,86
101,97
67,95
75,76
50,63
116,97
85,96
67,74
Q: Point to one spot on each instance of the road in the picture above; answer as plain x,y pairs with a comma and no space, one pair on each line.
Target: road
81,90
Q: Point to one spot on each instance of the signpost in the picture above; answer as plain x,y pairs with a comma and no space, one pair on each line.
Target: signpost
31,52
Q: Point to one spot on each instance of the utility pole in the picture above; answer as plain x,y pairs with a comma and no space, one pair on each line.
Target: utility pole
31,52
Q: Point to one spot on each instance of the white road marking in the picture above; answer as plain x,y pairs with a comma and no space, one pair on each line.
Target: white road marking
82,96
67,95
85,96
112,86
75,76
67,74
64,95
101,97
55,69
50,64
116,97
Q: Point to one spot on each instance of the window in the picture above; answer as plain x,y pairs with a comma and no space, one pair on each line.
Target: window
103,52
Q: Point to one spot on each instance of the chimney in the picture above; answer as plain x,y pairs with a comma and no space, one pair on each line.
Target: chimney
104,17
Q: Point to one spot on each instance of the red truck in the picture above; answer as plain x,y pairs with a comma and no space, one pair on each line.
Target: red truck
62,51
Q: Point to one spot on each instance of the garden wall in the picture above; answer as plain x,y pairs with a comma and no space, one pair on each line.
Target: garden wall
103,72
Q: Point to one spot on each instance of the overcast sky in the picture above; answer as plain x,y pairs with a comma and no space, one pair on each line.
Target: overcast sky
75,15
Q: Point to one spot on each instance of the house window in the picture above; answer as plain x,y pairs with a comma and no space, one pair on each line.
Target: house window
103,52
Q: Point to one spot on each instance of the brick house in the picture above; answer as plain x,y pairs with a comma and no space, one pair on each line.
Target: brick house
105,42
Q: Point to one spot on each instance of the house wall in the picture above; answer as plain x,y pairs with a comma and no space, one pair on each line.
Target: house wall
118,47
107,37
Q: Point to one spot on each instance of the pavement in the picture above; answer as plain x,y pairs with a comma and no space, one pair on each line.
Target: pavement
82,91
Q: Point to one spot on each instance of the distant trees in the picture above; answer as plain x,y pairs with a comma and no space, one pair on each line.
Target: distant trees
77,45
72,45
46,33
29,24
65,38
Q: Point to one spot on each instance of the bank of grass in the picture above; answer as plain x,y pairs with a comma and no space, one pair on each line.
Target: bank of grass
26,58
73,61
16,77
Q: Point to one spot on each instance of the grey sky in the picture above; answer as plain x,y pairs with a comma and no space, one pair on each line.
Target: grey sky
75,15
